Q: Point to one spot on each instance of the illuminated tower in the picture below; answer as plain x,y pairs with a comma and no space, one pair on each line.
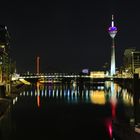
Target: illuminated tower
112,31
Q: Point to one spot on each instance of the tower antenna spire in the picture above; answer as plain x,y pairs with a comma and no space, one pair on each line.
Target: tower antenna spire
112,23
112,17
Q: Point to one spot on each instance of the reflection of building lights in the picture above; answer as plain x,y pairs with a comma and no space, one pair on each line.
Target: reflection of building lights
132,101
64,93
15,100
61,93
102,87
53,94
42,93
56,93
68,93
49,92
45,93
72,98
124,91
75,93
87,95
97,97
107,84
119,89
31,93
35,92
38,94
127,98
116,87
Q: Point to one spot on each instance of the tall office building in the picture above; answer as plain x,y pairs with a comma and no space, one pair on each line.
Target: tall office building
4,54
131,60
112,32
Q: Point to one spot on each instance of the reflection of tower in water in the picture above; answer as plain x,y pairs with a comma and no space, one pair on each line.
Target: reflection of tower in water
111,90
113,99
113,102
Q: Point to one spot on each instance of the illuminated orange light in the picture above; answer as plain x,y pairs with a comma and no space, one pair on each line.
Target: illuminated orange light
98,97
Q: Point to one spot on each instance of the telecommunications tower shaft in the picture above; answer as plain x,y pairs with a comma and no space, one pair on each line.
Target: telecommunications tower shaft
112,32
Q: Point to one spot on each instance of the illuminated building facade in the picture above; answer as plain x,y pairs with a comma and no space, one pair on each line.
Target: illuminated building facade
131,60
112,32
97,74
4,54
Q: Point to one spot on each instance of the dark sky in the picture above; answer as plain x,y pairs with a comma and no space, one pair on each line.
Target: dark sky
69,35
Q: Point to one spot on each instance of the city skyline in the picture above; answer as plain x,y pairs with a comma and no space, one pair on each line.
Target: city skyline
69,36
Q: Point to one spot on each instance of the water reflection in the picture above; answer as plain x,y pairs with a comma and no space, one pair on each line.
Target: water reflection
97,97
38,95
95,103
136,102
5,119
110,93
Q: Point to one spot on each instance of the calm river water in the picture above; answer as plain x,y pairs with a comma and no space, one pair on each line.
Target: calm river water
71,112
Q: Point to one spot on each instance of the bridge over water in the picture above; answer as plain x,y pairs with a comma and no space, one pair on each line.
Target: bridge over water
59,77
75,77
49,76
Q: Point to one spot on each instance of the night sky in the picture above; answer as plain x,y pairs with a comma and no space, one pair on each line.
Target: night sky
69,35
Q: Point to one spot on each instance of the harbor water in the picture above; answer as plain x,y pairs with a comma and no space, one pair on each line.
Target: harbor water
70,112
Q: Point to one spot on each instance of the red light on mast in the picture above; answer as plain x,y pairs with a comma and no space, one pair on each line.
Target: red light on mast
38,65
